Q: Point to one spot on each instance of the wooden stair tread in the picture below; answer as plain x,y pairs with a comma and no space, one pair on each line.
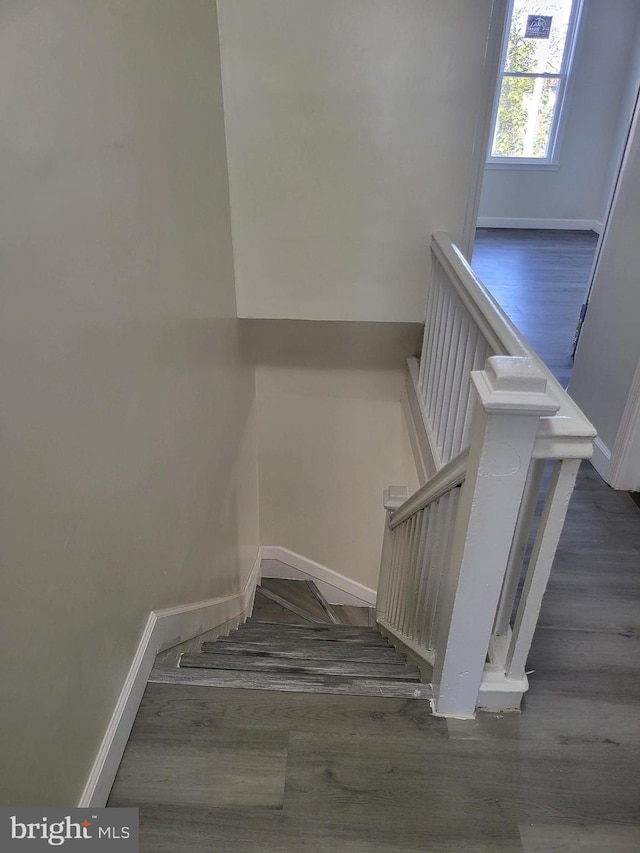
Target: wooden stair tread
382,688
316,628
259,638
302,612
317,650
353,669
304,597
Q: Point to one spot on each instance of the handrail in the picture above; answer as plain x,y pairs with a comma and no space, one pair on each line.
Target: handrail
495,325
448,477
568,433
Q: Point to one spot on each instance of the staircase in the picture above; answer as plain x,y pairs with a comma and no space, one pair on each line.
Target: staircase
304,647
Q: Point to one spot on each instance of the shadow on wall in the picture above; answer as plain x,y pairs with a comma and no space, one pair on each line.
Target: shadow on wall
329,344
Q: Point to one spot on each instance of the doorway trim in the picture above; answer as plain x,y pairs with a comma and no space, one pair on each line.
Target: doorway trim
490,68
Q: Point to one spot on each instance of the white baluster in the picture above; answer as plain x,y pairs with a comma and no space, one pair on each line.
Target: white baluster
519,546
394,497
551,523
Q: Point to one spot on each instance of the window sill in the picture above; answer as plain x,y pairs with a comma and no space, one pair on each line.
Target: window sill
527,166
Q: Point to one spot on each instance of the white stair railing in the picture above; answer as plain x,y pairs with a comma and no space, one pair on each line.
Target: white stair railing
453,565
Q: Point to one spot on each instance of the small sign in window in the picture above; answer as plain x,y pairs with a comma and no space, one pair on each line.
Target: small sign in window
538,26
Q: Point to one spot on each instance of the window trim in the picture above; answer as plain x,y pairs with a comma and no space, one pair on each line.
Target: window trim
556,131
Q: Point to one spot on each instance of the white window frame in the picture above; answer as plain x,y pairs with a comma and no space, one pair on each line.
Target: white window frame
551,161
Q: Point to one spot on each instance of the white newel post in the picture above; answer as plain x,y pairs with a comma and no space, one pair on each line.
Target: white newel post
393,498
512,394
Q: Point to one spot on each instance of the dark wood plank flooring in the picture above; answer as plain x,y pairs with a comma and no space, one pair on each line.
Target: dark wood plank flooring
540,279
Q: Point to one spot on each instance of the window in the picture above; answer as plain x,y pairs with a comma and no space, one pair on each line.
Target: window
536,63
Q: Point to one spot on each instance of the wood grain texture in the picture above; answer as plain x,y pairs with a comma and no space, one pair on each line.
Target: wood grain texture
263,608
350,615
233,766
177,707
540,278
300,593
304,613
194,830
266,638
398,671
342,685
434,790
318,630
317,650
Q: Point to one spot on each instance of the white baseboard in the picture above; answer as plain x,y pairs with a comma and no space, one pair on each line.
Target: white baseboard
164,629
541,224
601,459
336,588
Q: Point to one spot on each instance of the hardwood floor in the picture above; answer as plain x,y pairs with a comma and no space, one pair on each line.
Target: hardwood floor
214,769
540,279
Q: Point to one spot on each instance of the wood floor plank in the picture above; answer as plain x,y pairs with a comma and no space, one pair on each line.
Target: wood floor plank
184,708
293,683
398,671
265,638
554,836
179,707
579,782
212,767
269,610
317,650
442,791
297,593
287,605
540,279
316,629
195,830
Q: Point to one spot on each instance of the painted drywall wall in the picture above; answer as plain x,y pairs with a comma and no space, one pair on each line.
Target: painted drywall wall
127,425
331,439
608,352
577,192
628,97
350,127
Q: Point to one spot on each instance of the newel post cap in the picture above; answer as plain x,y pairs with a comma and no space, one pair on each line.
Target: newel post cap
394,497
514,385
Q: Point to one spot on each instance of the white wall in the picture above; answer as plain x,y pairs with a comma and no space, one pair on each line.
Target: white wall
350,126
127,425
577,192
330,442
609,349
627,103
